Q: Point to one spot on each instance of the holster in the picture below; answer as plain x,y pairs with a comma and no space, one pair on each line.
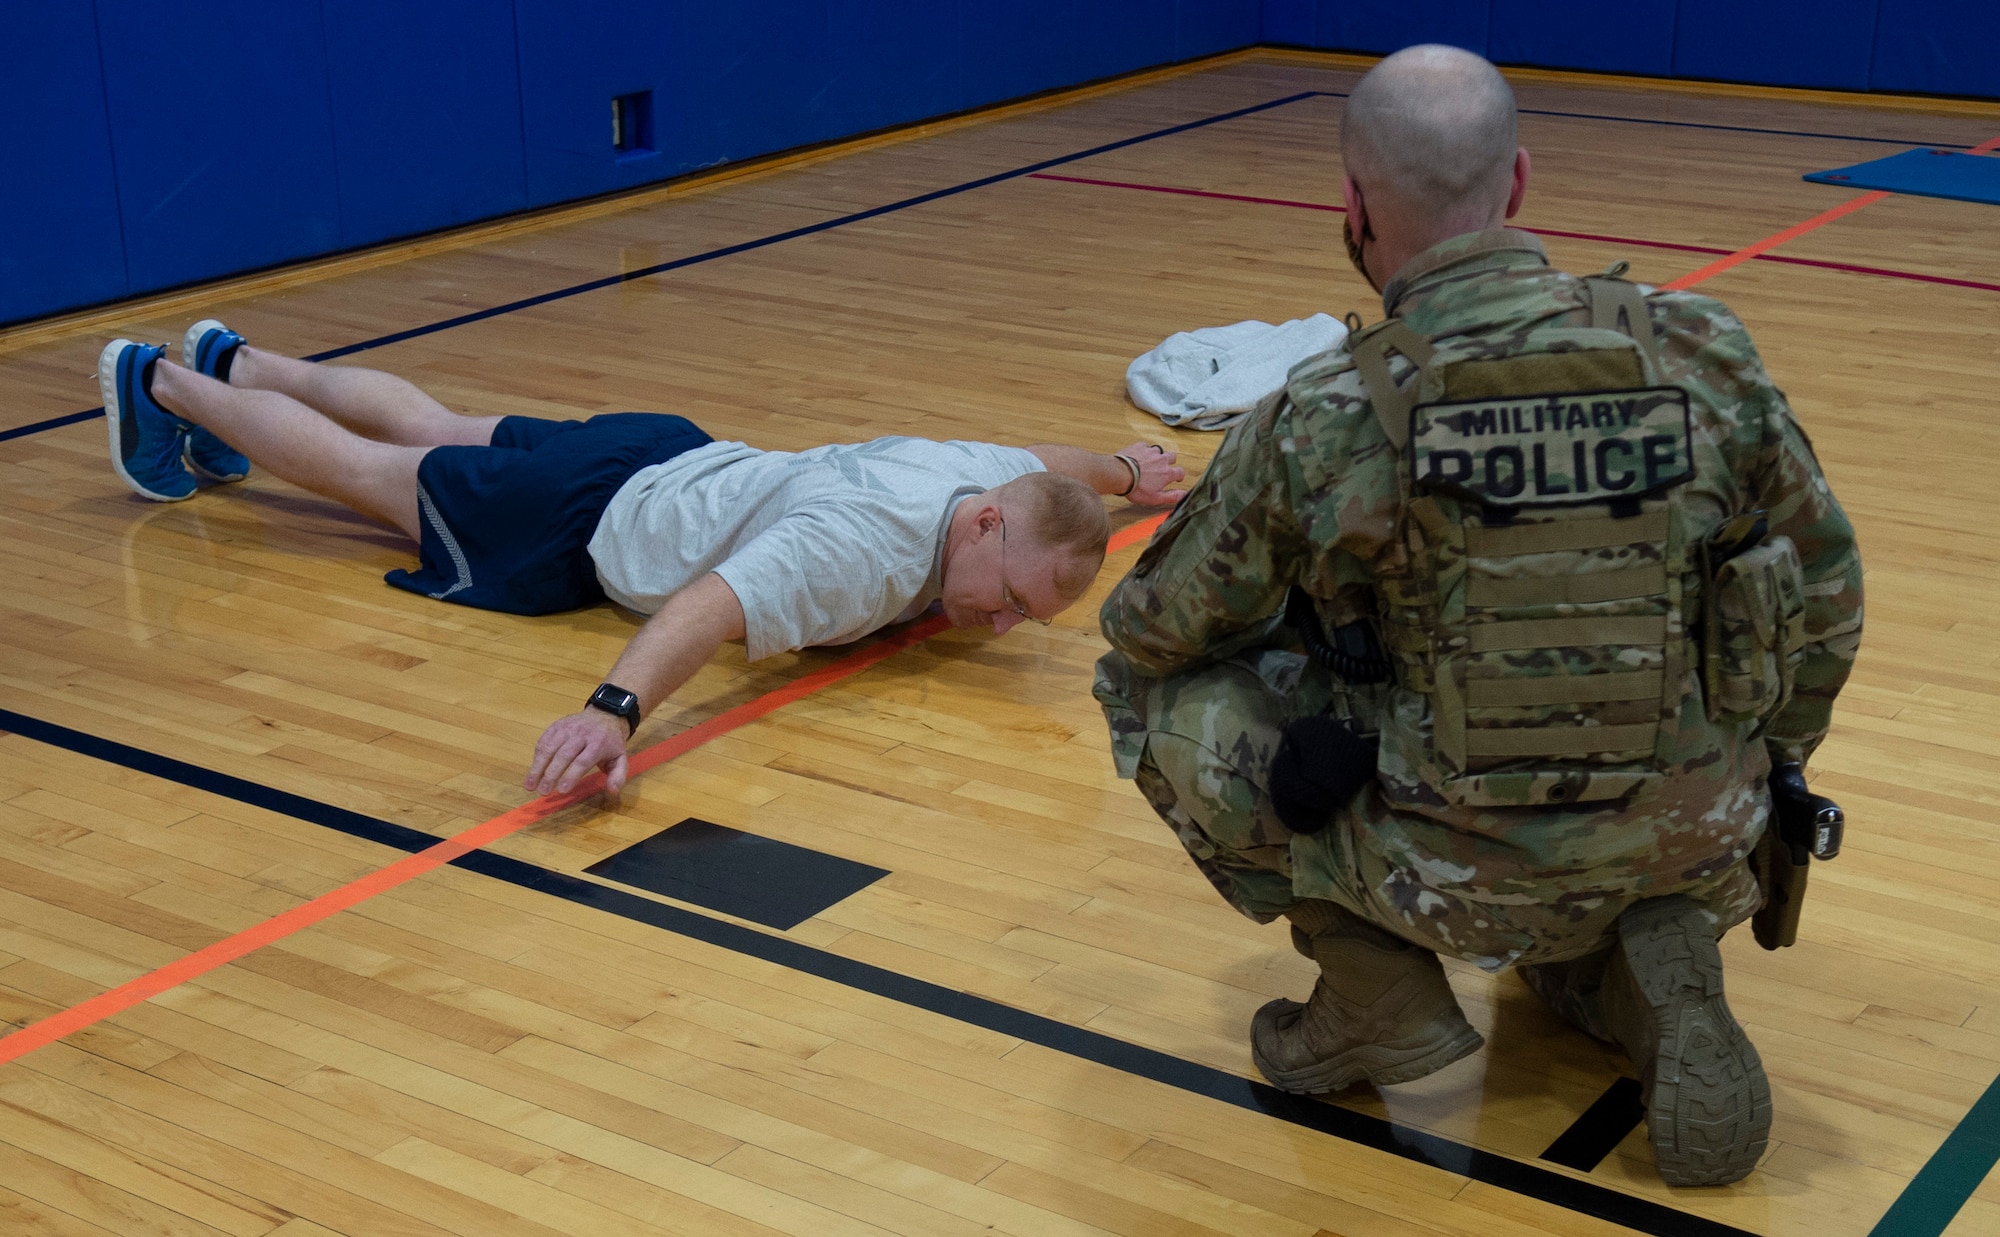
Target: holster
1781,872
1803,826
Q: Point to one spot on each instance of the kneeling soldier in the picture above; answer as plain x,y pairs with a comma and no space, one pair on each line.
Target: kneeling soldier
1565,581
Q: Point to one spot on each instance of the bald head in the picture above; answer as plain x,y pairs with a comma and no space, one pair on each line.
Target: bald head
1429,133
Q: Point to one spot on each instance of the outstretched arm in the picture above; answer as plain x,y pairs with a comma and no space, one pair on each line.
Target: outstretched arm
665,654
1109,474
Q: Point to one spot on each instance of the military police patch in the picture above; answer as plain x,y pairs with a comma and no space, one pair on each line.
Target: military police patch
1557,449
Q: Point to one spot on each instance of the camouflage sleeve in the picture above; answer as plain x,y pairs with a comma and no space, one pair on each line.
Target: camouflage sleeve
1792,489
1220,564
1706,344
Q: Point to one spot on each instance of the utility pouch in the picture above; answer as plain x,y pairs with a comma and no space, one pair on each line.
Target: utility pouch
1753,630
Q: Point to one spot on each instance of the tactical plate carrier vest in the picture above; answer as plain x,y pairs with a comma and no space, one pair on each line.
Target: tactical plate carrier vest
1540,627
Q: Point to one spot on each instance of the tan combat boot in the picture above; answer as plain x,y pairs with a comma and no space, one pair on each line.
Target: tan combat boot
1381,1010
1708,1104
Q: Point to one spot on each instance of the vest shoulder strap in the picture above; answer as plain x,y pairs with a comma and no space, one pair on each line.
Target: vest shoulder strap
1371,360
1619,306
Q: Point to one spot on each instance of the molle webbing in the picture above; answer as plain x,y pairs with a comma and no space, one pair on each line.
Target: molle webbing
1566,633
1567,705
1507,540
1562,741
1564,689
1487,591
1539,625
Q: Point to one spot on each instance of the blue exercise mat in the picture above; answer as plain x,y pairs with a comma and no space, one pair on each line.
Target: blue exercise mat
1926,172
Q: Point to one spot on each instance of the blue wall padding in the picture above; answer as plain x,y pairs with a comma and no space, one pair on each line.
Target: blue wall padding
1823,43
1926,172
575,57
426,114
1938,47
221,137
1204,27
748,78
877,79
756,74
60,242
1386,27
1289,23
142,148
1117,36
1584,34
1006,50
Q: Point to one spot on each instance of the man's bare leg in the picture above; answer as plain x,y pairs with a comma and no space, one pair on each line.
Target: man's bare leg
367,401
279,433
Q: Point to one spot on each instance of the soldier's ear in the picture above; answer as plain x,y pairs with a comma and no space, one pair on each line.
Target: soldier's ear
1357,207
1518,192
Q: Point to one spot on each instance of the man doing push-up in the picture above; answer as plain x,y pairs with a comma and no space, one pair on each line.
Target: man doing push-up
714,540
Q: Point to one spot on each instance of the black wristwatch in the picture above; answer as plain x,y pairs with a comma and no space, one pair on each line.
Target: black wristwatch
619,703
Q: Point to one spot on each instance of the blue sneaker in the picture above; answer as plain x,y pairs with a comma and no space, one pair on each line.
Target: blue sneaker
207,349
145,438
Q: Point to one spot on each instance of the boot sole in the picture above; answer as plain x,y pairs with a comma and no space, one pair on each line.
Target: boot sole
1384,1065
1708,1102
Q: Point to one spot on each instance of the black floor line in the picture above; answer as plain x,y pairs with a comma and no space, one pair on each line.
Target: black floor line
1601,1128
711,255
1519,1176
22,431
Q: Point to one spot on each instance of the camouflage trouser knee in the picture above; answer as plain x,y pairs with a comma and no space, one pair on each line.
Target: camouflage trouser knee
1199,747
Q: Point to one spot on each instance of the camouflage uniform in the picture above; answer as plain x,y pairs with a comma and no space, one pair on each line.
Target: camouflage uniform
1305,491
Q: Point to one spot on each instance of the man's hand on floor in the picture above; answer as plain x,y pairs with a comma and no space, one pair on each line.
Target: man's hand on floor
571,747
1157,471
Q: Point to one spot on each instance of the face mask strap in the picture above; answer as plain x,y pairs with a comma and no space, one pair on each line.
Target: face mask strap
1355,252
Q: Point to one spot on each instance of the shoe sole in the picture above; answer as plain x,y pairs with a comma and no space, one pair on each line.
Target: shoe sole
107,387
1384,1065
1708,1102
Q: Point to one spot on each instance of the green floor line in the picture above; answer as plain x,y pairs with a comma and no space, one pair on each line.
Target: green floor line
1936,1193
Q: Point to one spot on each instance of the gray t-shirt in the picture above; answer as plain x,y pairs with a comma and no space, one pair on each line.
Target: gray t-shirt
820,546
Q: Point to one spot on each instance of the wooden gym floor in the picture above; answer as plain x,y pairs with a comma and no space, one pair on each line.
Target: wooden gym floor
1035,1023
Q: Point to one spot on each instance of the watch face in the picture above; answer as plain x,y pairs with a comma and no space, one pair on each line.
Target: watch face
615,700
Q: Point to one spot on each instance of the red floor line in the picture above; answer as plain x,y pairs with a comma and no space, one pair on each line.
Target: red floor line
1852,269
1134,533
191,966
1713,269
1755,248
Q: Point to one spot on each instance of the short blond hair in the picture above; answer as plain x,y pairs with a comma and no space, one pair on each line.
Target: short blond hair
1066,517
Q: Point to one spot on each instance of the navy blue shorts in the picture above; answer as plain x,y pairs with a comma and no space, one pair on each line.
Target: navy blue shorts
507,527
